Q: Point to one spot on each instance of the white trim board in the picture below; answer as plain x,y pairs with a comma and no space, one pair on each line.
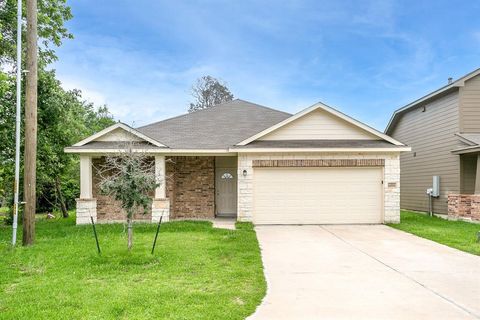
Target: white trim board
116,126
328,109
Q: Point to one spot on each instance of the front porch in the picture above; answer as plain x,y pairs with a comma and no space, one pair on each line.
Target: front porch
190,187
466,204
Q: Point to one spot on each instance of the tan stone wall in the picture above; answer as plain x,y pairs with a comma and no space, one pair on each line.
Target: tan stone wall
391,172
464,206
191,187
107,208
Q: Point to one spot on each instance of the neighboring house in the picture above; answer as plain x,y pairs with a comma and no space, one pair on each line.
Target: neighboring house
443,130
254,163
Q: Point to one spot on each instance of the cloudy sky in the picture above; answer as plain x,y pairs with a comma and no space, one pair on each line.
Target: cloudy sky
366,58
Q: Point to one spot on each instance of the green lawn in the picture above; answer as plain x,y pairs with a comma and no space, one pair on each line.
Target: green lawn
197,272
456,234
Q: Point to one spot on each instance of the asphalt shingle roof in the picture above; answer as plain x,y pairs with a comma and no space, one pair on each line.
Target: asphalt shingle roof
117,145
218,127
319,144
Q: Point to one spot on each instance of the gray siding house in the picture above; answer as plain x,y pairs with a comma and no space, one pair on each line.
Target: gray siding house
443,129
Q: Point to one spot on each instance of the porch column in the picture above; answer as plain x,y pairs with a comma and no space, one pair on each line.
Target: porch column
86,205
160,174
161,204
477,177
86,177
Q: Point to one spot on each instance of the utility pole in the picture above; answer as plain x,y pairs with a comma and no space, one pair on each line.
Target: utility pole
17,122
30,126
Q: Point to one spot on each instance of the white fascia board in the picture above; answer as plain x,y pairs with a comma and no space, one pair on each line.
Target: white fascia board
466,140
470,149
152,151
322,150
116,126
328,109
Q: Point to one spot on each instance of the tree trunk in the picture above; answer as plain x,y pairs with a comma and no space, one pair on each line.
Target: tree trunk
130,233
30,126
63,207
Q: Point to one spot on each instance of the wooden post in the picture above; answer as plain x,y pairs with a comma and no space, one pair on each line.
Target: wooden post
30,126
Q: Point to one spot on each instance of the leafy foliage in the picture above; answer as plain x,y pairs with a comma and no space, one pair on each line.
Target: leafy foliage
52,15
208,92
128,177
63,119
63,116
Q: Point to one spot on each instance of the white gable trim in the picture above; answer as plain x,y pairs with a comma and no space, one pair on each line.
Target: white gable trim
329,110
121,126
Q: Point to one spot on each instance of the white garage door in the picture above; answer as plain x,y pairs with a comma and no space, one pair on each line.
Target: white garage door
317,195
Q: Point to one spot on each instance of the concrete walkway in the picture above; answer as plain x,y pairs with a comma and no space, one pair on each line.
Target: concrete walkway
364,272
224,223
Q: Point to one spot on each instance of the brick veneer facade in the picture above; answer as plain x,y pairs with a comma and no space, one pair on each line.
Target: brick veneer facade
464,206
191,187
107,208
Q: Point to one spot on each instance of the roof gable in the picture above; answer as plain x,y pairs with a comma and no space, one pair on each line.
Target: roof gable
320,122
319,125
451,87
118,132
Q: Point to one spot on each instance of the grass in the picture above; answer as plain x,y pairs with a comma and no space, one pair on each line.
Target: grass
456,234
197,272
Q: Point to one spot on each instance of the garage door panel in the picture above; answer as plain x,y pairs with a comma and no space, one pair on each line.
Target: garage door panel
317,195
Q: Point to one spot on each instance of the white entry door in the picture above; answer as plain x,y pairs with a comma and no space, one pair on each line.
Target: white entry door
318,195
226,191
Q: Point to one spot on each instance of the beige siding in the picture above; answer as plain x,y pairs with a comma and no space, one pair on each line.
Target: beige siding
319,125
470,105
431,136
117,135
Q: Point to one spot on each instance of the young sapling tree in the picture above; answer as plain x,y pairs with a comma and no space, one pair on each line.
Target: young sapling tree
129,177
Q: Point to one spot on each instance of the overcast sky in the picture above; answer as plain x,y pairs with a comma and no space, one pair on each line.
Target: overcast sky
366,58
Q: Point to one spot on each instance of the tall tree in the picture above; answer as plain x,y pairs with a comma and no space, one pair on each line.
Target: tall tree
52,15
63,116
30,165
208,92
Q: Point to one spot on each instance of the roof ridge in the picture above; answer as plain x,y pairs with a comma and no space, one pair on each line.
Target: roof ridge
208,109
262,106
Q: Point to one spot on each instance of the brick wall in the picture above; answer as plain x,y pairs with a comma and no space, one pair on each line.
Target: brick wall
389,161
464,206
107,208
191,187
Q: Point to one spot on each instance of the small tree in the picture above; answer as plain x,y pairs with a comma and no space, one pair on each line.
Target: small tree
208,92
129,177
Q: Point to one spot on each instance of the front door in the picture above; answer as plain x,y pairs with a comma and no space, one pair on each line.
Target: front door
226,192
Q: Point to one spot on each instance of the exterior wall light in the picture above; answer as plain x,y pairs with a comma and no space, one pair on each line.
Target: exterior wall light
244,173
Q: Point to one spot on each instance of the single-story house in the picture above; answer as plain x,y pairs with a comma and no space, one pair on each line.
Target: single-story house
443,130
239,159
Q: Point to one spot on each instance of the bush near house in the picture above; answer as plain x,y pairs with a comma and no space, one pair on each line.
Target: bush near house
197,272
456,234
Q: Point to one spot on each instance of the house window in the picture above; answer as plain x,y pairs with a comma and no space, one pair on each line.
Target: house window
227,175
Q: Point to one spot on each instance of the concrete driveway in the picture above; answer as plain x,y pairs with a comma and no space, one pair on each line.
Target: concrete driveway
364,272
